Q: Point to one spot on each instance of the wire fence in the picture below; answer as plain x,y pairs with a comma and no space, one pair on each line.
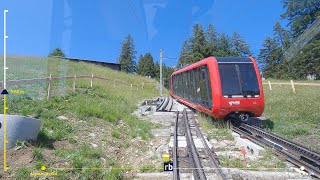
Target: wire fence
50,80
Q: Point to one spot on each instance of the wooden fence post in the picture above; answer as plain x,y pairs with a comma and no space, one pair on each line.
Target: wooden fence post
142,85
131,87
270,85
74,83
91,80
49,87
292,85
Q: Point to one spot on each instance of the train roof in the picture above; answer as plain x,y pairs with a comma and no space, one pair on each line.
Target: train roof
233,59
217,59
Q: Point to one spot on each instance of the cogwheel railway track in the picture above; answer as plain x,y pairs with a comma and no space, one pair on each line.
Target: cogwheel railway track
291,151
200,157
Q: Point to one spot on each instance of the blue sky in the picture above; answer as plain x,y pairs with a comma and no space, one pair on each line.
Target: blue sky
95,29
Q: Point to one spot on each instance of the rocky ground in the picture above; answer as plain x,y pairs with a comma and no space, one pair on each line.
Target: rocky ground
258,163
143,159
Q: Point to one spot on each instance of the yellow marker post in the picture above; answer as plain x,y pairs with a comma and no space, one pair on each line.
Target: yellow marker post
5,132
4,92
166,158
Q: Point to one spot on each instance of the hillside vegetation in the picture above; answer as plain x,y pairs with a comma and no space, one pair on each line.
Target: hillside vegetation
294,115
98,125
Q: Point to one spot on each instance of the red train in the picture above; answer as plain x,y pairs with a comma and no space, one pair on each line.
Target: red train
223,87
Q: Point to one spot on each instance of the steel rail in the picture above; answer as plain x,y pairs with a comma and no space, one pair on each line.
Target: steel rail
297,148
166,101
209,152
171,105
279,151
175,148
193,154
160,105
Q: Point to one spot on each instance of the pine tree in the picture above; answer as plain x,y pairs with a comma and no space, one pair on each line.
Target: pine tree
281,35
300,14
57,52
307,62
198,40
224,46
141,65
185,54
157,70
269,56
239,46
127,56
212,41
211,36
149,65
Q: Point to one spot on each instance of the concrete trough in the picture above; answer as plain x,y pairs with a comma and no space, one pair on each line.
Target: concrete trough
19,128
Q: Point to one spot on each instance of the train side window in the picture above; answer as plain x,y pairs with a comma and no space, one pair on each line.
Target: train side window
179,86
175,84
204,93
194,86
198,86
188,85
209,90
182,85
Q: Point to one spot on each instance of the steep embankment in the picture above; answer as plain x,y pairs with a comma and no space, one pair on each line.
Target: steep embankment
81,131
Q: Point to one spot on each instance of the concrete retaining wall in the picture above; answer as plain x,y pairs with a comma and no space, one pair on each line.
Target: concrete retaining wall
19,128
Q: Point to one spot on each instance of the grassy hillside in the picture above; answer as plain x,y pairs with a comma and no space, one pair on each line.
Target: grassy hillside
98,129
295,116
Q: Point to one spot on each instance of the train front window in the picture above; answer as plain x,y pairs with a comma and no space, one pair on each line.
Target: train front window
238,79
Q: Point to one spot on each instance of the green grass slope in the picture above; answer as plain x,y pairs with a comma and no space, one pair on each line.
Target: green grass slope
89,110
294,115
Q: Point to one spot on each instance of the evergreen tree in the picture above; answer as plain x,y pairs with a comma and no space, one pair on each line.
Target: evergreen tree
281,35
224,46
166,73
57,52
239,46
307,62
127,56
269,56
300,14
211,42
198,40
149,65
157,70
185,54
212,38
141,65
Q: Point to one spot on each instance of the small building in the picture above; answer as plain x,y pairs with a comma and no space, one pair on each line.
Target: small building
311,76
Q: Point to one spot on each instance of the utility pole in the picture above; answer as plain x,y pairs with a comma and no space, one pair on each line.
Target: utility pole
161,73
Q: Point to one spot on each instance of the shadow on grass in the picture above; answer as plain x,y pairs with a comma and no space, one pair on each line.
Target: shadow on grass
44,141
264,124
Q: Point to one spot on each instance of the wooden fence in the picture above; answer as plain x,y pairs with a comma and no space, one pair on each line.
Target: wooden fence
74,78
293,84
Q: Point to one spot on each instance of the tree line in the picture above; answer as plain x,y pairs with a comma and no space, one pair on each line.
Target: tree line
300,14
203,44
200,45
146,65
